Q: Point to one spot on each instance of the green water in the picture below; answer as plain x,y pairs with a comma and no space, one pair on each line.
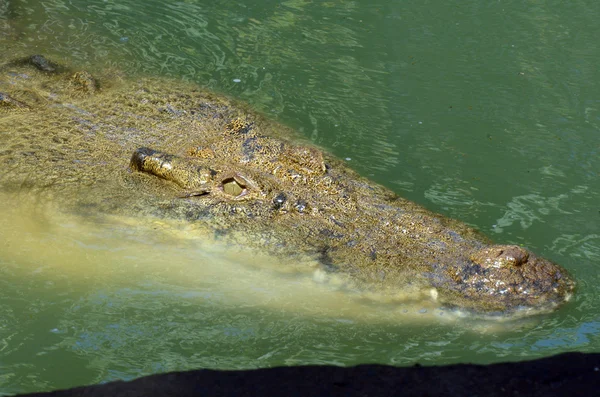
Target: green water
488,112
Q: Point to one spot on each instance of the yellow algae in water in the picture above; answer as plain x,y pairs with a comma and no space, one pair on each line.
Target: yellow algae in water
97,252
109,252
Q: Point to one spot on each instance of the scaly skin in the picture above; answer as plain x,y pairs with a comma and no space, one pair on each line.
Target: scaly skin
200,157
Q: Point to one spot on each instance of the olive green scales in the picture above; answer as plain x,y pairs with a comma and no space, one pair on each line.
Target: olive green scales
160,148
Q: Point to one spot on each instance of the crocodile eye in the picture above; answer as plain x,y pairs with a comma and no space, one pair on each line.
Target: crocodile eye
233,187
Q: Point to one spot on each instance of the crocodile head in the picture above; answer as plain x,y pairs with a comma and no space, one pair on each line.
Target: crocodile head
379,241
237,172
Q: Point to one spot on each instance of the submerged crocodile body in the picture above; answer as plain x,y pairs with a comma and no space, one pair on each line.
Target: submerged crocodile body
159,148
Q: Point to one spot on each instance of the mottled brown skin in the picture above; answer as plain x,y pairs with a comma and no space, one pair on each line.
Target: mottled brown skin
202,158
7,103
376,240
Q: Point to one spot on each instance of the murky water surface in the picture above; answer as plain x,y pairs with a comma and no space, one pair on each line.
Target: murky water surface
486,112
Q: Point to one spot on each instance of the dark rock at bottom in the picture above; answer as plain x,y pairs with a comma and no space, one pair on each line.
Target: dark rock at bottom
568,374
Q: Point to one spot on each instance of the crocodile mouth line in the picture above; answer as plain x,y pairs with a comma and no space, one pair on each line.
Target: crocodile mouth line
198,193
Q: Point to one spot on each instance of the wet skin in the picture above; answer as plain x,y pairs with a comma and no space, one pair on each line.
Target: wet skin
158,148
378,240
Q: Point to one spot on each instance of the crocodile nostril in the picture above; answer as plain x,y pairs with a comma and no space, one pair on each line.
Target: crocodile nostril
498,256
514,255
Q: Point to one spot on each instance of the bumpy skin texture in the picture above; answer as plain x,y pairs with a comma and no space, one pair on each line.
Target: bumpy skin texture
167,149
7,103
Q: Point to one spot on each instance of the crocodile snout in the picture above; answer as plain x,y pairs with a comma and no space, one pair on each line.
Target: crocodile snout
507,278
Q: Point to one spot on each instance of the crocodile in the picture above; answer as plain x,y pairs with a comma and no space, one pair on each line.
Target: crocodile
155,147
